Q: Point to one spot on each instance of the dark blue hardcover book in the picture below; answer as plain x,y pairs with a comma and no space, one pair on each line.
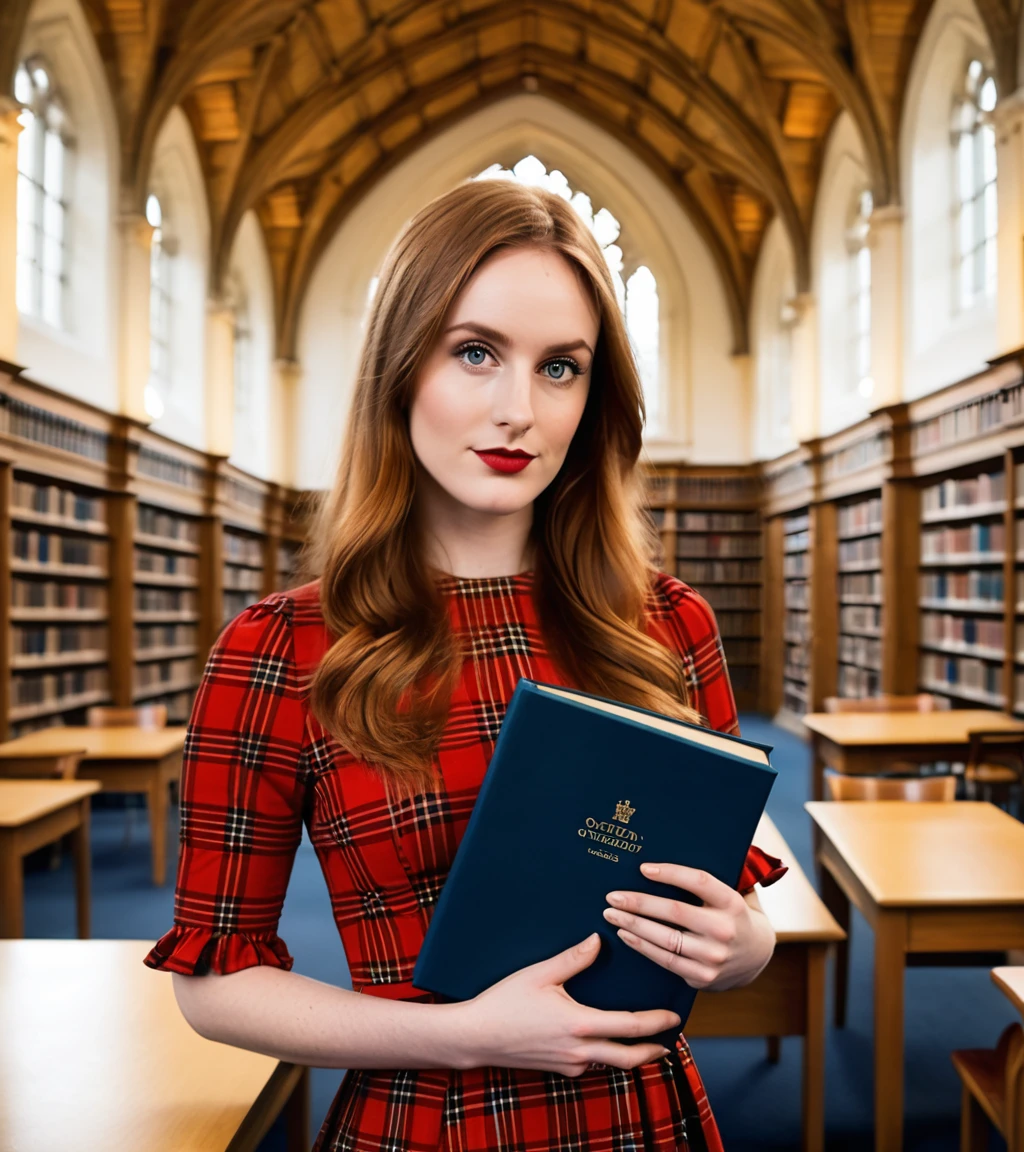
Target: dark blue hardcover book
580,791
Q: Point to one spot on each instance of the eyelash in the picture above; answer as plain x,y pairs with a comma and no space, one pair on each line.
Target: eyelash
573,365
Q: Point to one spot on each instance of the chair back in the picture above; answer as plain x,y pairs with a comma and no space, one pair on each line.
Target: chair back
922,702
42,766
923,788
142,716
996,746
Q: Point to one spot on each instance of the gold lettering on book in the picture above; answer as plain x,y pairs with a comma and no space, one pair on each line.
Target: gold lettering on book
613,834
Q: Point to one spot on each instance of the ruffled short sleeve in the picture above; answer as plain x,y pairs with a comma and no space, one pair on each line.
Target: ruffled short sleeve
241,800
685,622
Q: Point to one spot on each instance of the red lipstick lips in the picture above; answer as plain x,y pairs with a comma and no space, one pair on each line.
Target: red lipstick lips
504,459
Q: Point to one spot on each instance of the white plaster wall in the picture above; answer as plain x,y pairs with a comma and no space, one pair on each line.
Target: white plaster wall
177,180
843,175
251,265
942,343
774,283
706,403
81,360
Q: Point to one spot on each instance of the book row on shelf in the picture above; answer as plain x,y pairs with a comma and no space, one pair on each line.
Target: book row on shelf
127,554
968,492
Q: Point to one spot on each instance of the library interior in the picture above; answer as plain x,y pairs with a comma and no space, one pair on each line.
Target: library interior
811,213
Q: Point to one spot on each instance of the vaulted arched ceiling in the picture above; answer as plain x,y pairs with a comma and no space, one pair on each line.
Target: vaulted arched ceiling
299,106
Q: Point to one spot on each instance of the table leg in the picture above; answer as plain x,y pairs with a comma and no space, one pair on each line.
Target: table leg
817,793
296,1114
83,869
838,903
890,962
157,791
12,888
814,1052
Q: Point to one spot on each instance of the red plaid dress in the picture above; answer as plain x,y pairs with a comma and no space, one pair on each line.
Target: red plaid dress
257,765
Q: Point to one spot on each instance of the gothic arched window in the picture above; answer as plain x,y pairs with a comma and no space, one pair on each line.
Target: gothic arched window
858,298
160,303
44,170
975,223
635,286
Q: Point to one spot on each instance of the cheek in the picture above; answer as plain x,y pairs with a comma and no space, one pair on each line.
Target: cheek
564,417
438,413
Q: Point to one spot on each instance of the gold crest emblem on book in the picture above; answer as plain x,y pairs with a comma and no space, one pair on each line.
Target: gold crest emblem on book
623,811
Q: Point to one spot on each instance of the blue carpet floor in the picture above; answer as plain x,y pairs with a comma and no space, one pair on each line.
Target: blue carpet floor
757,1104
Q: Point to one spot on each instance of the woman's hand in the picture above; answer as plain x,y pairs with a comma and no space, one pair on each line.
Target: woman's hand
528,1020
721,945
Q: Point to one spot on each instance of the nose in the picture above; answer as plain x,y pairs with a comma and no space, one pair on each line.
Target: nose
512,405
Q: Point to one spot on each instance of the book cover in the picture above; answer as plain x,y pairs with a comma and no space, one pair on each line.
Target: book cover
574,800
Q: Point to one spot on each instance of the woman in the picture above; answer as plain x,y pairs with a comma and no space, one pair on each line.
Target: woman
486,524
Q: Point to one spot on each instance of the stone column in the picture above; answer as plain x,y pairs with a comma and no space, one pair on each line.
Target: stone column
220,377
284,401
885,240
805,413
10,129
1008,120
136,237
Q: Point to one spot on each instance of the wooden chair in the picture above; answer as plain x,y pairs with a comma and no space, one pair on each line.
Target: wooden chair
910,788
922,702
143,716
42,766
995,766
992,1081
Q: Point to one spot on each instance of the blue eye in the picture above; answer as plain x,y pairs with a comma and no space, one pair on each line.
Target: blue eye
475,350
568,367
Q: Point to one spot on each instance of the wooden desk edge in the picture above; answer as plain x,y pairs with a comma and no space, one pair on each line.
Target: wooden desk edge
1013,990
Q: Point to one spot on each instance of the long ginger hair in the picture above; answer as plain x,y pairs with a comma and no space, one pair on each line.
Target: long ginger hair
384,686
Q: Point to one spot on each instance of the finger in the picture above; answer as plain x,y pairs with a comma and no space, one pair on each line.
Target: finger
678,912
694,972
602,1023
709,888
705,949
624,1055
559,968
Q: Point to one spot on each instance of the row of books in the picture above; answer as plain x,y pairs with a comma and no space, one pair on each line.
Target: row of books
861,586
860,552
235,601
666,489
794,695
739,623
797,541
859,683
45,427
243,549
798,522
36,547
155,521
50,687
57,639
153,563
860,518
738,596
860,618
718,572
968,421
798,564
797,627
58,594
952,493
177,600
795,665
153,672
53,500
797,594
973,678
973,631
242,580
742,651
717,545
963,540
148,636
981,584
718,521
862,651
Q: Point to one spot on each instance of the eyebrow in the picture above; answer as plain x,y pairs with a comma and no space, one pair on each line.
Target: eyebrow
504,341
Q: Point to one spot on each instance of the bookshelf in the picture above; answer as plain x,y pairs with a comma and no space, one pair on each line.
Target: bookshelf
860,596
712,538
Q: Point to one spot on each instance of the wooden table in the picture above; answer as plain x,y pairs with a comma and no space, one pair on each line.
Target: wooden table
862,743
927,878
1010,981
95,1055
788,998
34,813
123,760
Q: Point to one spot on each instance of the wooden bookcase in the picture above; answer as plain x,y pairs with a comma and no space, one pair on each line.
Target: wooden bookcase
712,538
113,571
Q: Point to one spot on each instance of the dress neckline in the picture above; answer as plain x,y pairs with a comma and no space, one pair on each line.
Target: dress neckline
475,585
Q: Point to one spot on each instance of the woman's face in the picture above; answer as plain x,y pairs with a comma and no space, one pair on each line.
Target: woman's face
501,394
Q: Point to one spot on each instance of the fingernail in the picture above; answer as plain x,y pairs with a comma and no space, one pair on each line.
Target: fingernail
650,869
615,898
591,941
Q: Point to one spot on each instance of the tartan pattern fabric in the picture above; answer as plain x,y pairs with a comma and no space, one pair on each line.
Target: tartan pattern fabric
257,766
